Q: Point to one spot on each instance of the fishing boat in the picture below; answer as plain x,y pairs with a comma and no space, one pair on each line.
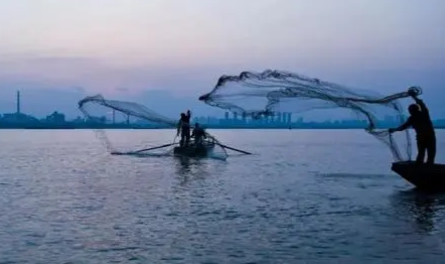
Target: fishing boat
423,176
193,150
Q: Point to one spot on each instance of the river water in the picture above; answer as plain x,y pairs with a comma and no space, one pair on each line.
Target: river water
305,196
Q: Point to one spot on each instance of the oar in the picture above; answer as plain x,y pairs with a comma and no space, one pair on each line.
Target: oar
234,149
158,147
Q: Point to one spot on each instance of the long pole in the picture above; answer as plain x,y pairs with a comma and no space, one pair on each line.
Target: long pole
158,147
234,149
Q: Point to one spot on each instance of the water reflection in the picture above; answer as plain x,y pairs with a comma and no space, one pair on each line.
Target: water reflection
183,165
420,206
189,168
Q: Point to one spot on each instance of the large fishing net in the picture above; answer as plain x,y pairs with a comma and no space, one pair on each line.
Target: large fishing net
109,117
261,95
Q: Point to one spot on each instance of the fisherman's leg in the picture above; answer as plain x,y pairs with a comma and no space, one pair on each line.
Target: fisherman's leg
431,150
198,141
181,142
421,149
187,137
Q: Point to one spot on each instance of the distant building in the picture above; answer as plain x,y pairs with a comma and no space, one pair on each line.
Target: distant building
300,120
289,118
79,120
95,119
56,118
18,118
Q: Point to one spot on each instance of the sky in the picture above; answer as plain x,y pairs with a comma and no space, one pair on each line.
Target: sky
166,53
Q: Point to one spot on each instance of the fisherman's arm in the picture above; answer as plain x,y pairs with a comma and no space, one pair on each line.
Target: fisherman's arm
422,105
402,127
189,114
419,102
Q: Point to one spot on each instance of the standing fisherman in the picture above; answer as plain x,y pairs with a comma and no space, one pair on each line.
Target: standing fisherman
420,120
184,128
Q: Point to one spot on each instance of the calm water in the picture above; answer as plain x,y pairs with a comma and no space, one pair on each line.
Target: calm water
304,197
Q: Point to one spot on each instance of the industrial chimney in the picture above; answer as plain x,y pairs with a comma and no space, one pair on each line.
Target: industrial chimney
18,102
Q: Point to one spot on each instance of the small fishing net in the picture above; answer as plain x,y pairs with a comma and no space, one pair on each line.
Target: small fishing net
260,95
107,117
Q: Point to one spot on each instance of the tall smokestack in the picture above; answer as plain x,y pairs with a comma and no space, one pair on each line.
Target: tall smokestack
18,102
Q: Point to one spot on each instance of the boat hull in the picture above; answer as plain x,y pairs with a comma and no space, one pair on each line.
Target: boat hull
193,151
423,176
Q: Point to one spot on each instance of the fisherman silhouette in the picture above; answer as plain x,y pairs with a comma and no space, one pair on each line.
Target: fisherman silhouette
420,121
198,133
184,129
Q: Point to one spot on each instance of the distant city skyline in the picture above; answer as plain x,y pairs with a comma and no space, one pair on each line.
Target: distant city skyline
162,102
110,118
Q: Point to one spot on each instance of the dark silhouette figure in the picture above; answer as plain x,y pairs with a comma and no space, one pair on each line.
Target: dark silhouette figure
420,120
198,133
184,129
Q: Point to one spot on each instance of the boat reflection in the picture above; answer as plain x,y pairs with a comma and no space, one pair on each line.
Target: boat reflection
189,168
420,206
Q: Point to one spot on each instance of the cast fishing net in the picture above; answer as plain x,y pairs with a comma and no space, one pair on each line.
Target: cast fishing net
108,117
260,95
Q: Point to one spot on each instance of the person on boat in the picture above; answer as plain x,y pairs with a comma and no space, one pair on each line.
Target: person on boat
420,120
199,134
184,128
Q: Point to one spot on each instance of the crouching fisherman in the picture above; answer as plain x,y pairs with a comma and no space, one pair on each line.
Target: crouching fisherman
199,134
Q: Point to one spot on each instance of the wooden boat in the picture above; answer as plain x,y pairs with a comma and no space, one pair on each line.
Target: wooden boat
193,150
423,176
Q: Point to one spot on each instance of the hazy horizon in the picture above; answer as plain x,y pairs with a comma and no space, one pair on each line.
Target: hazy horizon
166,51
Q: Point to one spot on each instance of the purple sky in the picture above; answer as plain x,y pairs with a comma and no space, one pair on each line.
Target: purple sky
63,50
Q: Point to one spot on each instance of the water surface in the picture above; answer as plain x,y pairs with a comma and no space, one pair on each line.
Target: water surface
304,197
